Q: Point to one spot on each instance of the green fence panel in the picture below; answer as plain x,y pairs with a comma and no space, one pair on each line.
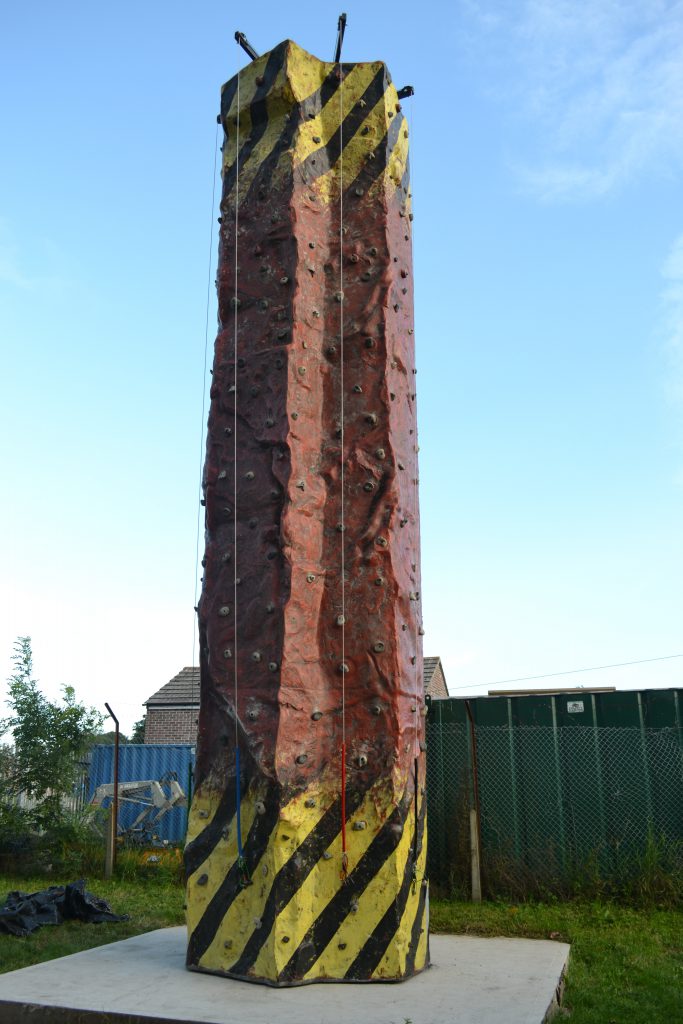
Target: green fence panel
565,780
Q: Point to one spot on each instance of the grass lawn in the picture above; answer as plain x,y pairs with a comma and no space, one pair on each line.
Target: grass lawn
151,903
626,965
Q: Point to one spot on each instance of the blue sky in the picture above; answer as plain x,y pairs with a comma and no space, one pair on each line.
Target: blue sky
547,154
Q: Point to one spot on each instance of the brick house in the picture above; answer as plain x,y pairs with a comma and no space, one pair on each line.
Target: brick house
172,711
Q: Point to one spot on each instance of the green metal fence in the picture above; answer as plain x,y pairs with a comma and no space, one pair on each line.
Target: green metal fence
560,790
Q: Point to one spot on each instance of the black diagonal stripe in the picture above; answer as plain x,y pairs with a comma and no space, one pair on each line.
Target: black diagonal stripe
372,169
293,874
254,847
405,180
227,96
416,931
327,923
258,112
370,956
320,161
199,849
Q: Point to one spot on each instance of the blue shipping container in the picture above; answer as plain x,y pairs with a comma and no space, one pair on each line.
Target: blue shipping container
140,761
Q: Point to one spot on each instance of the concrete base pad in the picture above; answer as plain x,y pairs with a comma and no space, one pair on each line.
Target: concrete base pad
472,981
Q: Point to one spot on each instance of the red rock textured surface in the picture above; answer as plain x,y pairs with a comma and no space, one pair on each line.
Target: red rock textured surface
313,381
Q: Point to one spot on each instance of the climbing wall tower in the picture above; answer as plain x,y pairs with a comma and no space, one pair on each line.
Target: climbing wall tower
306,846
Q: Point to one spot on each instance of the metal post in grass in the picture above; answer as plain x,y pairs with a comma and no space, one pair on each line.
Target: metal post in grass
112,832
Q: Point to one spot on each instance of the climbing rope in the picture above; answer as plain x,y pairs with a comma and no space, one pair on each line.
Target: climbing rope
201,432
418,678
344,858
241,863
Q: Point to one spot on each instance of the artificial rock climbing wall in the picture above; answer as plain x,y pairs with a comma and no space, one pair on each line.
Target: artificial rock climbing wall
306,846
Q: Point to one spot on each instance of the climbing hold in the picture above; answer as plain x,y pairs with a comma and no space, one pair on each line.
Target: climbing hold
249,475
316,716
302,759
256,656
227,653
368,486
378,647
272,666
341,620
224,611
310,578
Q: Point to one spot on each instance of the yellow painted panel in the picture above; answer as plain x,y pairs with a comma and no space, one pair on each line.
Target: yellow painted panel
216,866
242,917
326,123
354,931
358,148
319,887
393,963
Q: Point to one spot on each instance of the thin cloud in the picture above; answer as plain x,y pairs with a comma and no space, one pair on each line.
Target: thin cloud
602,85
12,266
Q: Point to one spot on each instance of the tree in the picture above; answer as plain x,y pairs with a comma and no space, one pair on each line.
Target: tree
48,737
138,733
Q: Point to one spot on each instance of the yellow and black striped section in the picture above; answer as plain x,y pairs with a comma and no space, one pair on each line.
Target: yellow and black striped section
297,920
331,126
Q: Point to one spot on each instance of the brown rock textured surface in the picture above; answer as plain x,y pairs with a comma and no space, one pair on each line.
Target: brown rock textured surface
312,409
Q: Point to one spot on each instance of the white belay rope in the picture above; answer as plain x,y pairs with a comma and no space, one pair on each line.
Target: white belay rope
242,867
419,676
344,861
201,432
234,426
341,363
418,682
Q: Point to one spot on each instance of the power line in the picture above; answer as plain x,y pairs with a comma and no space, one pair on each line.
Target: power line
569,672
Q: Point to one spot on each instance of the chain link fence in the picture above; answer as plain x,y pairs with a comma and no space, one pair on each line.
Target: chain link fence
73,802
559,807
